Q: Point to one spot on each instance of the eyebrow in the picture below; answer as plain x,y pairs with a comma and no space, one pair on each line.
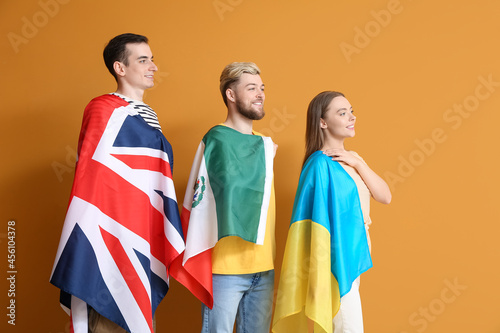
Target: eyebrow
343,109
254,84
143,57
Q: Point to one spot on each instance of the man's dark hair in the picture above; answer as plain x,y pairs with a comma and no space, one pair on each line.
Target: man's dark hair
116,50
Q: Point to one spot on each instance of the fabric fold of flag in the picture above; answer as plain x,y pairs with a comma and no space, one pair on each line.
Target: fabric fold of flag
326,248
227,194
122,228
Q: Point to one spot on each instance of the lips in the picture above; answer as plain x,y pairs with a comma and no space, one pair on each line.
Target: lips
350,127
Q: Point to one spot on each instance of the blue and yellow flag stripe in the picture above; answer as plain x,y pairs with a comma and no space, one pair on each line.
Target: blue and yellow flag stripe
326,248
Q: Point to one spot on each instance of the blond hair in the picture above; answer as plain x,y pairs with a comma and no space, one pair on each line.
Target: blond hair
232,73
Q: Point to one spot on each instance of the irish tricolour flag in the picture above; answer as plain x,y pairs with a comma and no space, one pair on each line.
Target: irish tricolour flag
227,194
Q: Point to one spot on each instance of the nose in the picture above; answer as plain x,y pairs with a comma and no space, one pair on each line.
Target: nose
353,117
153,67
260,93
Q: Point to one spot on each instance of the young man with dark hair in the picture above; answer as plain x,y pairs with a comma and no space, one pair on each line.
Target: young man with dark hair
122,228
117,50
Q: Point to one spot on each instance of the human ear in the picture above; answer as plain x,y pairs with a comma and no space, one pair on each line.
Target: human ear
322,123
230,94
119,68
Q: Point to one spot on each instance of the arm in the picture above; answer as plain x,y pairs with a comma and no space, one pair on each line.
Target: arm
378,187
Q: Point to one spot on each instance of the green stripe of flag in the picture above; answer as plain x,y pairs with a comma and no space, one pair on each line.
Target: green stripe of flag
236,169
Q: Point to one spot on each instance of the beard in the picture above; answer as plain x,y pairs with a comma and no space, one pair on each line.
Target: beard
248,112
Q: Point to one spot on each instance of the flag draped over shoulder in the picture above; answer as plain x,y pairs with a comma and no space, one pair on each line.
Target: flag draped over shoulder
227,194
122,229
326,248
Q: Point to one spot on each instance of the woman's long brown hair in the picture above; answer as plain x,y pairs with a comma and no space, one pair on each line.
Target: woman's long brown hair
317,110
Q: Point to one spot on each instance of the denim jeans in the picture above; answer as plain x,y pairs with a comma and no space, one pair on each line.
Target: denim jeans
248,298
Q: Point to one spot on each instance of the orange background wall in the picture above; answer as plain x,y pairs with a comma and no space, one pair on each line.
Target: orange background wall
424,80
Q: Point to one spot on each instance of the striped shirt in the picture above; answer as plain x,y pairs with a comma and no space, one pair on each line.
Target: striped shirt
146,112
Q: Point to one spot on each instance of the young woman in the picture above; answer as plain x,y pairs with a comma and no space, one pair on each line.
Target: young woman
328,245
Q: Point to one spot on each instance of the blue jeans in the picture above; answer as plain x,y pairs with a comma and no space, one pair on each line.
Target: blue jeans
248,298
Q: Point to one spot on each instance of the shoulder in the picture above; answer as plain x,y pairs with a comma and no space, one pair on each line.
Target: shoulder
228,134
100,108
103,105
354,153
258,133
317,158
316,162
216,129
315,171
357,155
214,132
106,101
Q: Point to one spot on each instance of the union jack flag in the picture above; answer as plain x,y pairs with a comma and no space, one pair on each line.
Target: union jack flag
122,228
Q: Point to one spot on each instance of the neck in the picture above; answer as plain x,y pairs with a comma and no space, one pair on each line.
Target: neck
238,122
333,143
136,94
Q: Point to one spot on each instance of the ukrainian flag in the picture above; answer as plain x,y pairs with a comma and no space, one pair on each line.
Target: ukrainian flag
326,248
